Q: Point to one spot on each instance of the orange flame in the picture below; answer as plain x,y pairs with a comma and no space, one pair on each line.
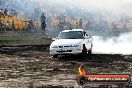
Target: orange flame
81,71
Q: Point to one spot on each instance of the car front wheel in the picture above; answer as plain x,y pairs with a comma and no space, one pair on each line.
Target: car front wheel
55,56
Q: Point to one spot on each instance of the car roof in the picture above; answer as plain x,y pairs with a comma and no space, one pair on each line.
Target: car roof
73,30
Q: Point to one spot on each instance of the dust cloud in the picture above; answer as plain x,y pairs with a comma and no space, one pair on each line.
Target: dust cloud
113,45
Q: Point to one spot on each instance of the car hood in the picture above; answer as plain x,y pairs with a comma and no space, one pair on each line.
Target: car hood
67,41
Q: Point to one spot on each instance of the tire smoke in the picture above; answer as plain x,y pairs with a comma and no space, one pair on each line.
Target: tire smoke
113,45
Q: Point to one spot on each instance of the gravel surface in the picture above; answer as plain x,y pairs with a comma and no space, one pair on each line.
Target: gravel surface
37,68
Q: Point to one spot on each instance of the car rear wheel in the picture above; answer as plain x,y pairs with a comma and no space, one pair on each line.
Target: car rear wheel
84,51
90,52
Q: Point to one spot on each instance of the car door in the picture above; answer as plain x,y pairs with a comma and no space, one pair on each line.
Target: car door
87,41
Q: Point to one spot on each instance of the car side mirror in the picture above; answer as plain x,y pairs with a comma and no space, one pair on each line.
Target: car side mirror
54,39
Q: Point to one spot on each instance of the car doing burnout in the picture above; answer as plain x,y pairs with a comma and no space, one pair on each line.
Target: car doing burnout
75,41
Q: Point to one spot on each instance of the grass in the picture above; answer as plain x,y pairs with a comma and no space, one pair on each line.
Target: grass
22,36
19,38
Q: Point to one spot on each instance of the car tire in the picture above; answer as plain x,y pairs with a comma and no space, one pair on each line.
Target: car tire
84,51
90,51
55,56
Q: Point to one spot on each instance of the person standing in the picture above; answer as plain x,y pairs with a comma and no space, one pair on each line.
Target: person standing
43,23
7,26
5,12
80,23
1,25
76,24
30,26
13,25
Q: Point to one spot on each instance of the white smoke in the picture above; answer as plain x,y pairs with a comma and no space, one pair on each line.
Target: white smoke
114,45
116,7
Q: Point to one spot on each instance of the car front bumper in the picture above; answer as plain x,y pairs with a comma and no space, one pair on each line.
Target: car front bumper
58,51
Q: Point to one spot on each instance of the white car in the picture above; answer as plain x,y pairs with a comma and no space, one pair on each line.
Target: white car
75,41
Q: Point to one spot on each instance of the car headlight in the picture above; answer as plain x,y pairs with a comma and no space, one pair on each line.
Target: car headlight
54,46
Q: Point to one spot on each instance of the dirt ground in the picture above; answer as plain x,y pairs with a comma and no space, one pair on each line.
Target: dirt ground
35,68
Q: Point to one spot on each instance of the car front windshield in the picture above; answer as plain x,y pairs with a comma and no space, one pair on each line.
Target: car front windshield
71,35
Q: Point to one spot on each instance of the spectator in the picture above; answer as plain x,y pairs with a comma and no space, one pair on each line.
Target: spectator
30,26
7,25
43,23
5,12
1,13
76,23
1,25
12,12
13,25
15,13
80,24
